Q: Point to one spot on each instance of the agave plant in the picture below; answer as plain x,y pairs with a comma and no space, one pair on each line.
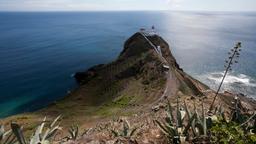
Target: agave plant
234,54
39,136
174,127
127,130
6,137
202,126
73,132
177,130
44,137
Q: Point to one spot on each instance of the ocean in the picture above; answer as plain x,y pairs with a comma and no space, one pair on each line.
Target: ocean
40,51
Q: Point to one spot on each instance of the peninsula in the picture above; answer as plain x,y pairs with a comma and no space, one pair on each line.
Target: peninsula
137,87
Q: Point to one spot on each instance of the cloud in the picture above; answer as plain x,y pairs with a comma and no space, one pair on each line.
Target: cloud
41,5
174,3
80,5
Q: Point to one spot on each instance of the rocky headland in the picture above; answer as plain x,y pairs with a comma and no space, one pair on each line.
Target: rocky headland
136,87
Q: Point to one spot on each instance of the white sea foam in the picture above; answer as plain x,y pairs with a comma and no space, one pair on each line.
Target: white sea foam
230,78
239,83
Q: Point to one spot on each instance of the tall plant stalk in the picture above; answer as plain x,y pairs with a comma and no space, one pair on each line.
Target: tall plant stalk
233,55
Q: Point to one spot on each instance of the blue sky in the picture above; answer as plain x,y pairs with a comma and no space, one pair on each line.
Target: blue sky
98,5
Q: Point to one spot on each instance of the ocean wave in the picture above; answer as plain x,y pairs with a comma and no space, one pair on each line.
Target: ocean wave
237,83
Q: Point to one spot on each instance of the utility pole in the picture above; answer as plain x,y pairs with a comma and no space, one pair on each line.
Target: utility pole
234,54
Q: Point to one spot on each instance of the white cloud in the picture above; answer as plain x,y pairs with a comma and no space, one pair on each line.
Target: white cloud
42,5
174,4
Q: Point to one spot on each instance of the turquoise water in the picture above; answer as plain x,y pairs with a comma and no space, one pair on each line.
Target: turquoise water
39,52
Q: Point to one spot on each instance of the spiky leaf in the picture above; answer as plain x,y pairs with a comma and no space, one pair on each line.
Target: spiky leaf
16,129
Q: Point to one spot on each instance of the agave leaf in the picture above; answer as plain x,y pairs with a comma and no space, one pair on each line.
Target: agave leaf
76,132
216,110
54,122
170,128
223,118
221,109
1,132
50,129
172,131
73,131
71,134
169,111
36,137
11,139
126,127
45,142
4,133
115,133
8,132
16,129
42,126
193,127
183,114
178,115
198,119
204,120
133,131
194,123
86,131
45,134
52,132
191,120
162,128
168,119
199,126
187,110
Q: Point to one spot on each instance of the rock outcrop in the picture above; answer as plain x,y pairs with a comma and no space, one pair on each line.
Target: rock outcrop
148,60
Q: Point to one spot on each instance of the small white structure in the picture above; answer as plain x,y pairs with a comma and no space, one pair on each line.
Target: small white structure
166,67
159,50
149,32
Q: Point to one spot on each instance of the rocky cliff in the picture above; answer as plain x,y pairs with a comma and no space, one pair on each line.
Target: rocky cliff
142,78
147,62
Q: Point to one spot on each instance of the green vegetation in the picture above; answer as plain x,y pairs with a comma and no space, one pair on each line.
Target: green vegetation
73,133
127,131
204,128
42,135
180,125
177,129
231,132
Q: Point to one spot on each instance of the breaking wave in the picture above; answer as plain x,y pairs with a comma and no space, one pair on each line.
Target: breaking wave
237,83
